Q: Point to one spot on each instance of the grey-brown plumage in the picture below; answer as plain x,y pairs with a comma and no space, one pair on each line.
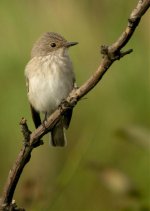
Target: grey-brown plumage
50,78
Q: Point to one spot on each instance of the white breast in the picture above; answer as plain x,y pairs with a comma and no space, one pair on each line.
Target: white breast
50,81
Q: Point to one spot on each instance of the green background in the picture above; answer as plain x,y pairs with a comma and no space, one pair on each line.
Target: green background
106,163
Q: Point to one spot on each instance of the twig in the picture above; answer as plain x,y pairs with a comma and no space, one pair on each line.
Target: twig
32,140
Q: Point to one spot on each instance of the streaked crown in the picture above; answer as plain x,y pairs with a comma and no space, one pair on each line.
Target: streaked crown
49,42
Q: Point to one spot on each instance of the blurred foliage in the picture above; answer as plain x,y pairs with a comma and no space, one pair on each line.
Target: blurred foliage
64,179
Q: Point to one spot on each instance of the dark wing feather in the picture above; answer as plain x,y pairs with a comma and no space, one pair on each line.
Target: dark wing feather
67,118
35,116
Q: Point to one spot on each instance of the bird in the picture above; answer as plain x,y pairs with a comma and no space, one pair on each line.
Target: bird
49,79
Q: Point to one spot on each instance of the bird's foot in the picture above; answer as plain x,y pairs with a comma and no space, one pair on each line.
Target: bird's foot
64,104
44,121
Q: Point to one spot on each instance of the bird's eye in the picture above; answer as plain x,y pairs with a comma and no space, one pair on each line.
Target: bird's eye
53,44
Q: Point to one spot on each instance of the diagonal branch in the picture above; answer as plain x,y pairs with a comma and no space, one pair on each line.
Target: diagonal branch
32,140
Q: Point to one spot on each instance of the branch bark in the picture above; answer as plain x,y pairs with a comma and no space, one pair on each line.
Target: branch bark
33,140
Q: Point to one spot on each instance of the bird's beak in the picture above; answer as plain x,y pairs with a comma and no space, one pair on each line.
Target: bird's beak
69,44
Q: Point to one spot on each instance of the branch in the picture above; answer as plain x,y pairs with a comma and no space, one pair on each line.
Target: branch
32,140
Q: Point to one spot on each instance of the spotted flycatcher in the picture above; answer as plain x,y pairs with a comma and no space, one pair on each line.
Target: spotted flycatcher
50,78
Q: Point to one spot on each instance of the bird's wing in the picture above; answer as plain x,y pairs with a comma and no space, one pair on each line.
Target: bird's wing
67,118
68,113
35,116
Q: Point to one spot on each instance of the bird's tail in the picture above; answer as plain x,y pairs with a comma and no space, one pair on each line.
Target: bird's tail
58,137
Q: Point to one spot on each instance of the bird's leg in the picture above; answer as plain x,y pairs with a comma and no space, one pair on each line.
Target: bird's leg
44,120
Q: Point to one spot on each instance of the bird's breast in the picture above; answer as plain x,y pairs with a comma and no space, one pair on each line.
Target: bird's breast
50,81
